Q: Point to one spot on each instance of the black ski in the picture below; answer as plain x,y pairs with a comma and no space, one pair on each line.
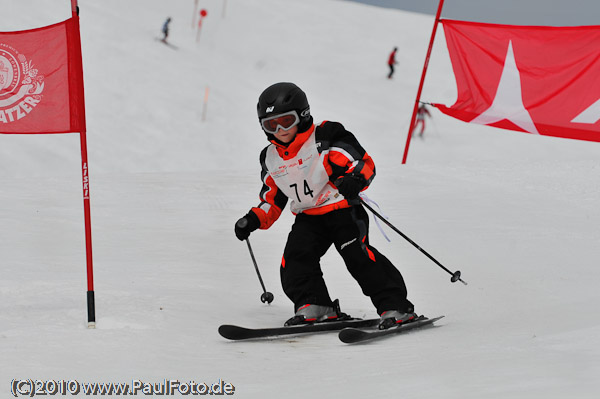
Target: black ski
352,335
239,333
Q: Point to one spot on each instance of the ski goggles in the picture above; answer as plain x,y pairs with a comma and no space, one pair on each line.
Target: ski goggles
285,121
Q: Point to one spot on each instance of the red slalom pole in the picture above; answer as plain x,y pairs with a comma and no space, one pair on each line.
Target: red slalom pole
203,14
416,107
91,307
78,65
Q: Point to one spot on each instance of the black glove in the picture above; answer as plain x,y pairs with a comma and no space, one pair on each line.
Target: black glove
246,225
350,185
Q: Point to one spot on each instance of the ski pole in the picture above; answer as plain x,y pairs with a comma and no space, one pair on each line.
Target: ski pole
266,296
455,275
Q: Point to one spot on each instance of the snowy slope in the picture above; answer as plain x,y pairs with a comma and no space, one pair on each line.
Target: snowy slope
517,214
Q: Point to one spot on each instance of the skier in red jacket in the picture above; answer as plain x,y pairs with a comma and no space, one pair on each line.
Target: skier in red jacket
321,169
422,112
392,62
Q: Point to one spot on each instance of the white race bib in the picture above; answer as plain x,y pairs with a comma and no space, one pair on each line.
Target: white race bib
303,178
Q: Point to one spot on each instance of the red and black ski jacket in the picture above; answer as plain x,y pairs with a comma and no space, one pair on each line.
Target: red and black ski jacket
304,172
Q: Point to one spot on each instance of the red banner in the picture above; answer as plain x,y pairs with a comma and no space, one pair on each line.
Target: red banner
541,80
41,80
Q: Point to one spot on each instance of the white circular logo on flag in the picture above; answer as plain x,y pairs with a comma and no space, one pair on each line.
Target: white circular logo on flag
20,85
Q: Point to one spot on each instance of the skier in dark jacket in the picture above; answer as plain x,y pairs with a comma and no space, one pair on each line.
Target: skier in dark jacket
165,29
321,169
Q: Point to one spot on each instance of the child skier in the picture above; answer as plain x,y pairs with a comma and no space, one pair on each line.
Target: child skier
321,169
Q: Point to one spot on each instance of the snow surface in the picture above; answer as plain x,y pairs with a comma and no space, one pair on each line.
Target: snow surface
517,214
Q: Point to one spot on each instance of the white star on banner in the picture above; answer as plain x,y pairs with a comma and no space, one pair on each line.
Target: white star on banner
590,115
508,103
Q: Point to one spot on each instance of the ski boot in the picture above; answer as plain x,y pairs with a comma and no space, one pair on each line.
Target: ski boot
308,314
391,318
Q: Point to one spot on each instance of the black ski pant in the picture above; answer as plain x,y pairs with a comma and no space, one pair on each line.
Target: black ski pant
347,229
391,71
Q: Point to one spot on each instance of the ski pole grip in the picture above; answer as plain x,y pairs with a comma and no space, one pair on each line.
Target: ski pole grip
242,223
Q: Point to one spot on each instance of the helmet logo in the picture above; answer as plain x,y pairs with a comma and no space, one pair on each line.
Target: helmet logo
305,113
270,109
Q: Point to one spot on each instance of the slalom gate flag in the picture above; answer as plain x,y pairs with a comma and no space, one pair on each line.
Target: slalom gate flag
41,80
541,80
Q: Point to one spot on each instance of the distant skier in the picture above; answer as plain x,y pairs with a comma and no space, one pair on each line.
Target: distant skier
165,29
321,169
392,62
422,112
